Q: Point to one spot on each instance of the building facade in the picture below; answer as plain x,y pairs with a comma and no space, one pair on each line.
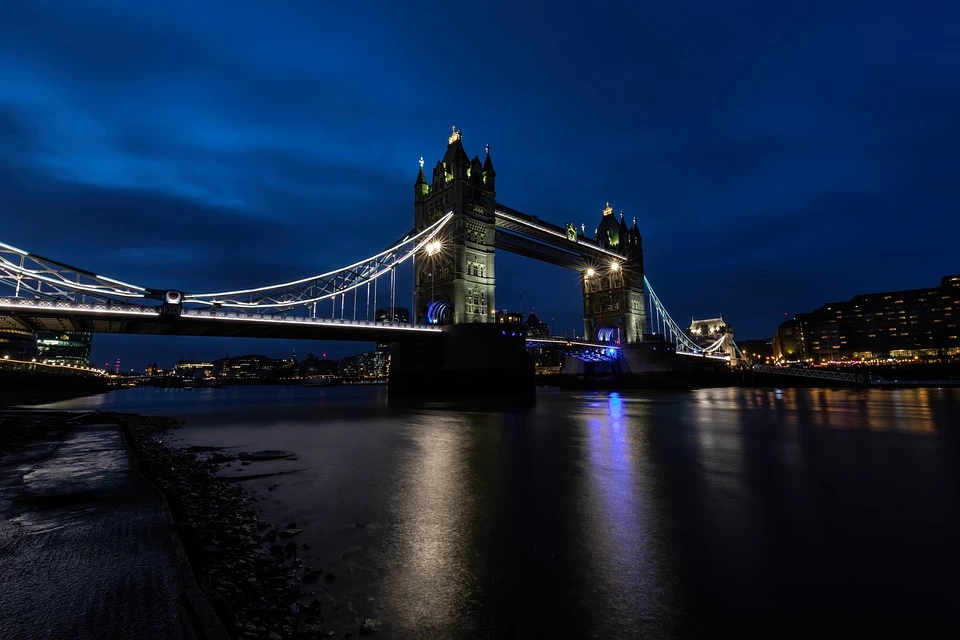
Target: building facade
16,344
911,324
707,333
371,366
64,348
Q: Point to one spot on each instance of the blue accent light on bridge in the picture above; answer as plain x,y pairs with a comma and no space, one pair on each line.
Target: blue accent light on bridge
436,309
609,333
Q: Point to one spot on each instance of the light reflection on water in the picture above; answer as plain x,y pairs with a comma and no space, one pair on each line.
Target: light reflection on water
632,514
430,505
621,533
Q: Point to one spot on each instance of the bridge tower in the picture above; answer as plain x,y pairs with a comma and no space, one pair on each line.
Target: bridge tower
454,282
614,304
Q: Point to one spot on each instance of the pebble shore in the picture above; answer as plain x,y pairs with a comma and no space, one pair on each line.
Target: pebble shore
248,569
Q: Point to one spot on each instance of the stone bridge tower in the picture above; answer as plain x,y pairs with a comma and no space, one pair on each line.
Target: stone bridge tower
455,282
614,304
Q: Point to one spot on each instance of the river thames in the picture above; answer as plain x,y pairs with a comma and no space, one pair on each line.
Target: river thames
605,515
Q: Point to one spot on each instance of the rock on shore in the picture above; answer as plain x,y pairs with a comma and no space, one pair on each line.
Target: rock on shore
247,568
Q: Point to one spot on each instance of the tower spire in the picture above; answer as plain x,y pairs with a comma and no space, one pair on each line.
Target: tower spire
420,187
489,175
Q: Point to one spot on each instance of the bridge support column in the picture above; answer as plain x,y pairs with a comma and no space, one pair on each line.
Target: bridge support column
654,358
469,361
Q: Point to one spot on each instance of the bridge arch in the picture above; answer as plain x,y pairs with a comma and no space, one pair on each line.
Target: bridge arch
610,334
439,311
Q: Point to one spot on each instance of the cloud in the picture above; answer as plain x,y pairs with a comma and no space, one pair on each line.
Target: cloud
775,156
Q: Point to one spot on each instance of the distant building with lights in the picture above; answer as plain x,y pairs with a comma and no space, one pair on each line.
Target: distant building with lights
506,317
545,360
788,342
18,345
756,351
193,370
706,333
372,366
64,347
537,328
400,314
916,324
252,367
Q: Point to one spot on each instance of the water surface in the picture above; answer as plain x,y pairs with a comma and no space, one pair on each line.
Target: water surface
606,515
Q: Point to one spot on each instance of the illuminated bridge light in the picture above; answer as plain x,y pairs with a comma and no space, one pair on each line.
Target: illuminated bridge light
591,272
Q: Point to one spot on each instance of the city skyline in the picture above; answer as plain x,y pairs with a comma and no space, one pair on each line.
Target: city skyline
775,158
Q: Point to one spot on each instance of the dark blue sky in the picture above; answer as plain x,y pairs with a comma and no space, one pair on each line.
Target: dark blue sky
776,157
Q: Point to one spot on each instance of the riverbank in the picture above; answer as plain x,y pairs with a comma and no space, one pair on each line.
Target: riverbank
85,540
30,387
247,570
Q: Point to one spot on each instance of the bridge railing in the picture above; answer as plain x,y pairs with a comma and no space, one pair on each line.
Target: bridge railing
820,374
28,274
116,308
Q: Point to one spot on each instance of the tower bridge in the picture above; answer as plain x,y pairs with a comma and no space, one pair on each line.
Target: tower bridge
458,227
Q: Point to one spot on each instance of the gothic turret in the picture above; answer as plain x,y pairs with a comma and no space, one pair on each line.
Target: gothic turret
608,232
637,247
489,175
455,160
476,171
420,187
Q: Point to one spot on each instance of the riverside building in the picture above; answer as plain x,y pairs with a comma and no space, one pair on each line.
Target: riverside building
72,347
16,344
916,324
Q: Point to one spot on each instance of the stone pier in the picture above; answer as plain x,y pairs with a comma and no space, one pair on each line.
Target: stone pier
483,360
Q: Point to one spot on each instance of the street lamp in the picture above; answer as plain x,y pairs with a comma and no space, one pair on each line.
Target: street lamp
591,272
614,266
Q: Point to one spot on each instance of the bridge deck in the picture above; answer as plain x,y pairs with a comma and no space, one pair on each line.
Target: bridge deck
47,315
531,237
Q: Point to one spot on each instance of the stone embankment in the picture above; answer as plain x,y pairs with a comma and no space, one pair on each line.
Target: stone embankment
248,569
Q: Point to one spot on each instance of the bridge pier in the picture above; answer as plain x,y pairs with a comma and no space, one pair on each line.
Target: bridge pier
469,361
639,365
